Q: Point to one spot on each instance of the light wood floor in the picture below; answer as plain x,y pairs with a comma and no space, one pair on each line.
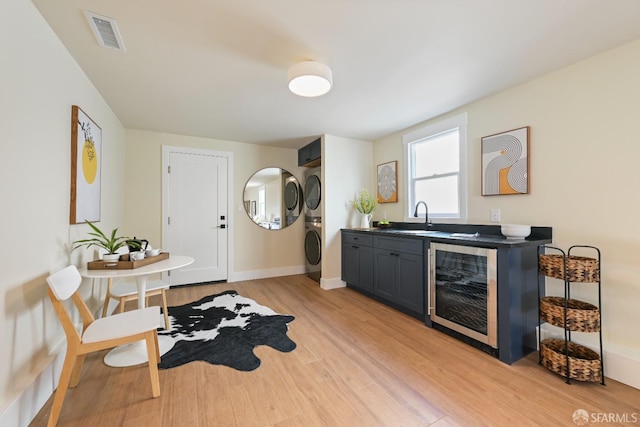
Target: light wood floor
358,363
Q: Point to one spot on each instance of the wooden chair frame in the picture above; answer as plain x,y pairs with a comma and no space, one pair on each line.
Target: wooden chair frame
134,297
77,350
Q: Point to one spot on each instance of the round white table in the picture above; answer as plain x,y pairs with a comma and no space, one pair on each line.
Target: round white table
136,353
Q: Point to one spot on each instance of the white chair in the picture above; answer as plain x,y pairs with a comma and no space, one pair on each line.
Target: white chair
100,334
125,291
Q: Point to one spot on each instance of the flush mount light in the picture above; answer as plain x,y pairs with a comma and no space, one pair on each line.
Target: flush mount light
310,79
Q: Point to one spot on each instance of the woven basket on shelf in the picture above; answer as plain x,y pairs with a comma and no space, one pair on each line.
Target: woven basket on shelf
581,316
579,269
584,363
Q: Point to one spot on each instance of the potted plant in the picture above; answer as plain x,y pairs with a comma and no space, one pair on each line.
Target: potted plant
111,243
365,203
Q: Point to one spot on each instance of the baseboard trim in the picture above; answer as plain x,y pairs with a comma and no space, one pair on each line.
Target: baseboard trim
240,276
25,406
335,283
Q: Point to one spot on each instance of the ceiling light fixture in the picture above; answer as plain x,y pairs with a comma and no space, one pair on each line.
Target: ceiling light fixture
310,78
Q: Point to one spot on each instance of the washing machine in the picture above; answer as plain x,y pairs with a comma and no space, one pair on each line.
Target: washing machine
313,223
313,249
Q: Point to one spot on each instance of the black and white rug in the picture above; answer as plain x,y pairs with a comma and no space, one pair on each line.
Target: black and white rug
223,329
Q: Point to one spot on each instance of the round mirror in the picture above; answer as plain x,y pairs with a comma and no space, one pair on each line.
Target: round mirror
273,198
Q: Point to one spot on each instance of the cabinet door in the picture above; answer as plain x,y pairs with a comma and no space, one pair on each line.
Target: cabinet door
315,149
411,282
365,261
304,155
310,152
385,277
350,267
357,266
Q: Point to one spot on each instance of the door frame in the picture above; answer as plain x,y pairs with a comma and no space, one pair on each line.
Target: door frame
166,151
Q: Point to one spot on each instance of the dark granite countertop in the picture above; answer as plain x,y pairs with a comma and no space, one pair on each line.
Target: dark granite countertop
482,235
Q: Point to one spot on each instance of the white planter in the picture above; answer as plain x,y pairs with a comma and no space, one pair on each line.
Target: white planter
365,220
110,257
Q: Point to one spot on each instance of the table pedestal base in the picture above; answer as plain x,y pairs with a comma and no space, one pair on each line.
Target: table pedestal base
135,353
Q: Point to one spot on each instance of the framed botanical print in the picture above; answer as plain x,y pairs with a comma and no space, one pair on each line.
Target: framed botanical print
388,182
86,158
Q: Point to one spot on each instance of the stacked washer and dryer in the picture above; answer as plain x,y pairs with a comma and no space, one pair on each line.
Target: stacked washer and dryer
313,222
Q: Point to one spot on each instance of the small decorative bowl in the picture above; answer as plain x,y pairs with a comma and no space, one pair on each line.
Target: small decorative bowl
152,252
384,225
515,231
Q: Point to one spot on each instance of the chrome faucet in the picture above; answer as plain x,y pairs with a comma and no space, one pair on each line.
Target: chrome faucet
426,212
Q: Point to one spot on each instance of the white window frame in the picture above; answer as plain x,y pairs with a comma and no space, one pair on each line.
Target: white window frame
458,121
262,203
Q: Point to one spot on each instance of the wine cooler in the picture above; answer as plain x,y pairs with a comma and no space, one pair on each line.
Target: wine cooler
462,291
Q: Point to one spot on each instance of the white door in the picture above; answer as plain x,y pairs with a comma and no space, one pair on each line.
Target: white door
195,217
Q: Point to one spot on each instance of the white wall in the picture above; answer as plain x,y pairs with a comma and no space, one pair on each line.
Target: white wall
345,171
584,176
257,252
39,81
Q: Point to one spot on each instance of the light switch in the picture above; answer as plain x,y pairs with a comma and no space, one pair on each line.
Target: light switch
495,215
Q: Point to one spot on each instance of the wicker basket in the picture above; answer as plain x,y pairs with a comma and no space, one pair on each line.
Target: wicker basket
581,316
579,269
584,363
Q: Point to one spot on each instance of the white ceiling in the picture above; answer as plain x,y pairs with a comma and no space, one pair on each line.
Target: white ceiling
218,69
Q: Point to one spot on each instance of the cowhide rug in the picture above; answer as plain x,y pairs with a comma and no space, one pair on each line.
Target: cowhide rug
223,329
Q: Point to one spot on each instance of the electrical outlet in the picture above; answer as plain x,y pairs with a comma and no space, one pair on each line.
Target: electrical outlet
495,215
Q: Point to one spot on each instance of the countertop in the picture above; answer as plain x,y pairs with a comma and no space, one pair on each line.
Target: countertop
483,235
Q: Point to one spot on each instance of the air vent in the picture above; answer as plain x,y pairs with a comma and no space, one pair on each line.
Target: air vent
106,31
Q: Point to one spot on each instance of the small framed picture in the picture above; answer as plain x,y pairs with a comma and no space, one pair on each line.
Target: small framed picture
388,182
505,163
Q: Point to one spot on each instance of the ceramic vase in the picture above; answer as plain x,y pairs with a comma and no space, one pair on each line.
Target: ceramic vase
365,220
110,257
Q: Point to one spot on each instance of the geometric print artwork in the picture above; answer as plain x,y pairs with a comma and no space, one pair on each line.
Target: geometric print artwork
505,163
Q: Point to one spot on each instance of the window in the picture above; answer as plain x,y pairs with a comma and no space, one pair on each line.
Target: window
436,169
262,210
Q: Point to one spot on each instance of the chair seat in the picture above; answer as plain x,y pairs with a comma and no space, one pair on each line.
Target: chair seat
122,324
125,289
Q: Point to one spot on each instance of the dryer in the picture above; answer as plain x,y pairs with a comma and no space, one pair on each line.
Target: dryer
312,194
293,199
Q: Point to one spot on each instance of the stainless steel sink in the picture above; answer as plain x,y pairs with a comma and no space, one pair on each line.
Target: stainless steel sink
402,231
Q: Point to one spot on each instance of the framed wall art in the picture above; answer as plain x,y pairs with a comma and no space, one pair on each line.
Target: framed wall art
505,163
86,159
388,182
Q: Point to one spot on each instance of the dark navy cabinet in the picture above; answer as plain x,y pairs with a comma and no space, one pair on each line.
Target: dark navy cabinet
310,154
389,269
357,261
399,272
